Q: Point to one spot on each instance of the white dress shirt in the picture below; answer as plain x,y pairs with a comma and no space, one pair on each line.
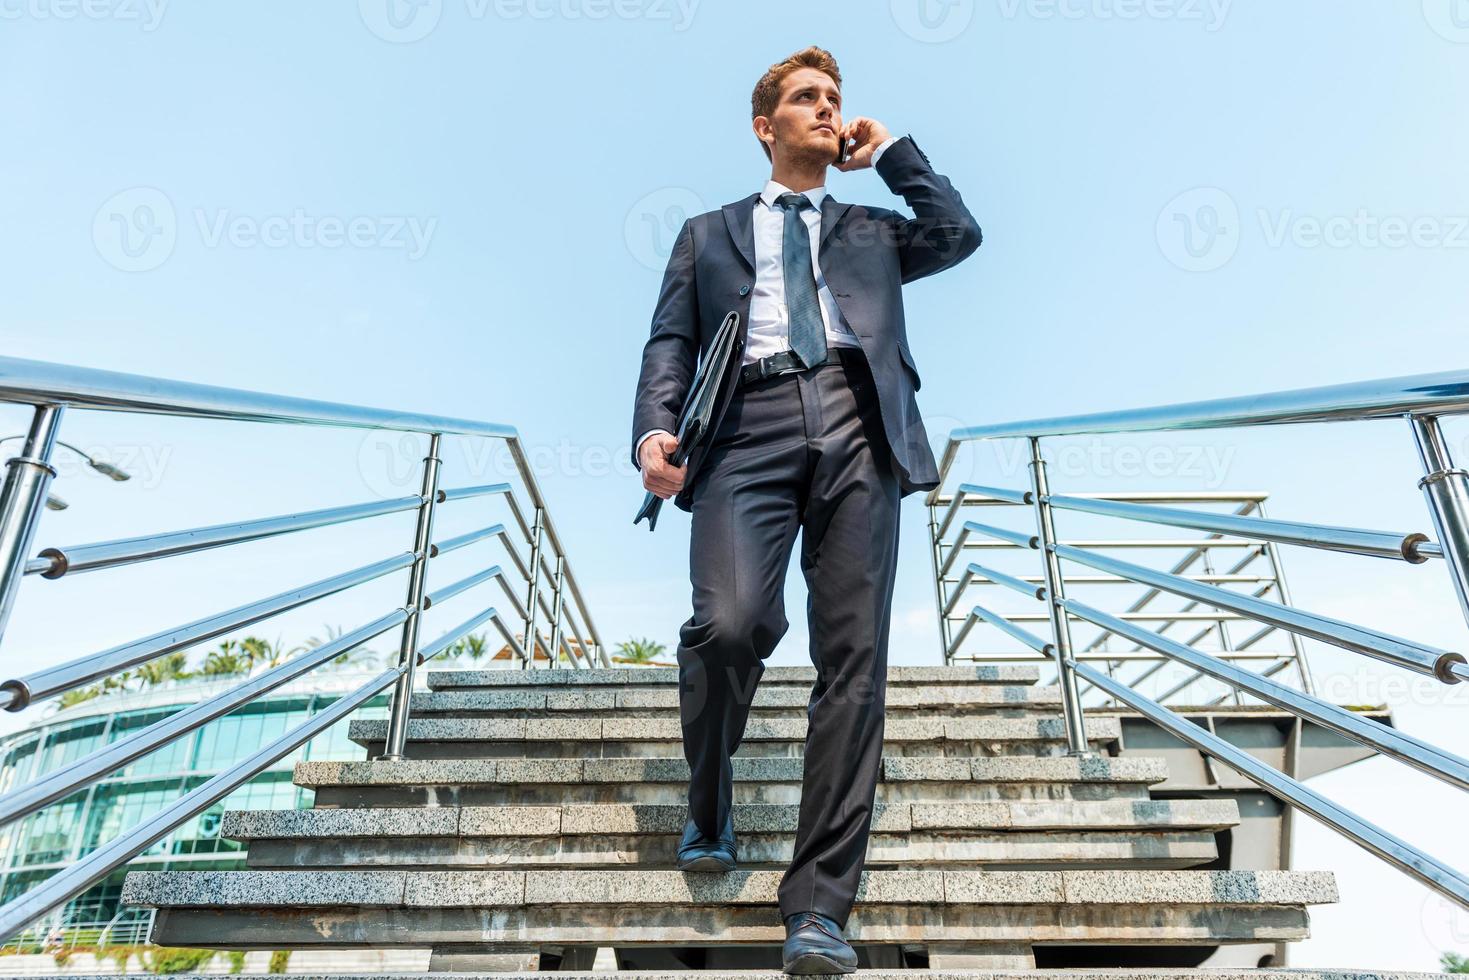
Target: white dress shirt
769,330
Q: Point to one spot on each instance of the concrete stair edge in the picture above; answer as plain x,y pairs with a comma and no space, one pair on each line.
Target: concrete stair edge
667,818
499,888
449,772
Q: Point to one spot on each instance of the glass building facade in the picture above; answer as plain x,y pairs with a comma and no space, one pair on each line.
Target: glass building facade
36,847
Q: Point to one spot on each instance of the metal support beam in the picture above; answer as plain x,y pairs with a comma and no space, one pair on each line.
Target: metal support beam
423,536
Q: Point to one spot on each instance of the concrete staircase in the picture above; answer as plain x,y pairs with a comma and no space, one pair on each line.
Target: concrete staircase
536,821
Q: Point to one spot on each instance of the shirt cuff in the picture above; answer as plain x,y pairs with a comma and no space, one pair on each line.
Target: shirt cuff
877,153
637,449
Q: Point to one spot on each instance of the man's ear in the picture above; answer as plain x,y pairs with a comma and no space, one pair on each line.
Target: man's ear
764,132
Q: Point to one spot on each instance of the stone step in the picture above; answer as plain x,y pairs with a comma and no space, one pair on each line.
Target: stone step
1160,834
623,736
805,677
493,782
480,909
1139,973
984,699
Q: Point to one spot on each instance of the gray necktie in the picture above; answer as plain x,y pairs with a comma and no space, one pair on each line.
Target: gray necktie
808,333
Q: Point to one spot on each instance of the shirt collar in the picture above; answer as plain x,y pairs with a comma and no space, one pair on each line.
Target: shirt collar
774,189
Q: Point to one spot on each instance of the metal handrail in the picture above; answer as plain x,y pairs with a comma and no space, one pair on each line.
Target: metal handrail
1421,400
550,587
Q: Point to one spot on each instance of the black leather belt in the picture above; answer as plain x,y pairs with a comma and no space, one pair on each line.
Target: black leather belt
785,362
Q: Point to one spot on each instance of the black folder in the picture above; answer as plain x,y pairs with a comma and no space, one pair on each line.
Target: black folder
698,407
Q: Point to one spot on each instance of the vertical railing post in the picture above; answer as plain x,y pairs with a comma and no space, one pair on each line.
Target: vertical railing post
1226,642
936,553
534,593
1076,743
556,633
1282,591
26,479
1447,490
423,537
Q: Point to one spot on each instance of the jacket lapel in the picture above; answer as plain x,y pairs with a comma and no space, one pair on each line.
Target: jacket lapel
831,213
739,218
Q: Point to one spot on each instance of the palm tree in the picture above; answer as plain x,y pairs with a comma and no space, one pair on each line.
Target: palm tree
173,667
640,651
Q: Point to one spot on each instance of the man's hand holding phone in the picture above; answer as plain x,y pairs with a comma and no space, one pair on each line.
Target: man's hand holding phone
660,476
868,135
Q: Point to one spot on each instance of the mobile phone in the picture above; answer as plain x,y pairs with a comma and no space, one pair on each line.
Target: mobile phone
842,154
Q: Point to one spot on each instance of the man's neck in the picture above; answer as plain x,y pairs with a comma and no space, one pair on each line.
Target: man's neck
797,177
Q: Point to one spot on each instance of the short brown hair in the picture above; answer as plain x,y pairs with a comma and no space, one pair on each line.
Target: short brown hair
767,91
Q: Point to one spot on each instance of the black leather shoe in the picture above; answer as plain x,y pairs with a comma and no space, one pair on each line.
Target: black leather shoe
814,944
698,853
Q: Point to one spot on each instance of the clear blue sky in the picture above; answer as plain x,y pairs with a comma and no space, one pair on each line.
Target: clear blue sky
465,209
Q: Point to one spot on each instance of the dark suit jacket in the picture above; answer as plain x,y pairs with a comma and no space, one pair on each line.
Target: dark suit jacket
866,254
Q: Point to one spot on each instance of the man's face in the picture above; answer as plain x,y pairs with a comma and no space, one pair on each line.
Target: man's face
808,116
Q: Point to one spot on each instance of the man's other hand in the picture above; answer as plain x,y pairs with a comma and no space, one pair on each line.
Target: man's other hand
659,475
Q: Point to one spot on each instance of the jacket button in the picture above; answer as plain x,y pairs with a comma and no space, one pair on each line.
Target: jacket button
744,290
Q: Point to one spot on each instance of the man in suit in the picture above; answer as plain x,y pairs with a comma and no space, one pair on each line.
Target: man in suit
820,432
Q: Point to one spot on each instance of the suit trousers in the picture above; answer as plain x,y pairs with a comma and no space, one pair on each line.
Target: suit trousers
802,450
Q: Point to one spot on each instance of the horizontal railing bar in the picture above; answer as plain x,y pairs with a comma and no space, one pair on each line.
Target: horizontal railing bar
1270,671
1141,656
1147,617
1153,543
979,493
1256,637
1180,568
1035,591
62,782
54,891
1017,538
1117,580
54,680
468,582
35,382
1383,646
464,493
1149,496
469,538
74,559
1444,393
454,635
1013,539
1005,625
1375,544
1426,869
